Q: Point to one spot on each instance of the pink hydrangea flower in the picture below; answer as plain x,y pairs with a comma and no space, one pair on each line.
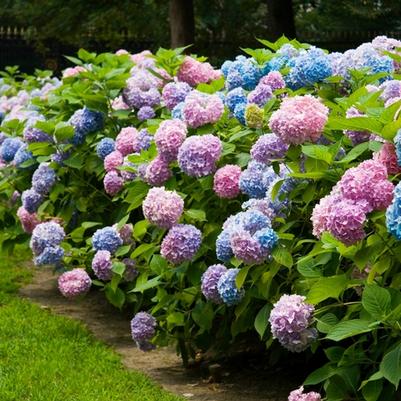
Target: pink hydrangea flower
113,182
169,137
74,283
299,395
127,141
113,160
119,104
193,72
274,79
157,172
163,208
321,213
299,119
200,109
72,71
226,181
388,158
28,220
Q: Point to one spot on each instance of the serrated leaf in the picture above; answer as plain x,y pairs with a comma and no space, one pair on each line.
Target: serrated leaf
390,366
327,287
376,301
262,320
349,328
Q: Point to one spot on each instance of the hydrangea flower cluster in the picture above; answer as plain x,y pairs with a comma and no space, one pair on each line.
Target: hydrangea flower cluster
388,157
361,190
102,265
194,72
290,320
209,281
74,283
32,135
299,395
157,172
45,243
181,243
201,108
226,181
393,214
143,328
105,147
22,156
356,136
84,122
43,179
174,93
267,148
28,220
141,90
163,208
9,148
227,288
299,119
198,155
106,239
169,137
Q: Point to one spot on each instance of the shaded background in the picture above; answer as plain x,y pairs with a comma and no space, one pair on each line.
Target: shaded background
38,33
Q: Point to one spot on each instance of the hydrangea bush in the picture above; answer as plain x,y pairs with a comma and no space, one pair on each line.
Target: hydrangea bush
257,204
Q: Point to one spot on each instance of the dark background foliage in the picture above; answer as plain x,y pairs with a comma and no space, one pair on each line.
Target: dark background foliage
38,32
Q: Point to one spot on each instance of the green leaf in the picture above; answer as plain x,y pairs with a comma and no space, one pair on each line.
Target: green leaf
326,322
143,284
141,249
262,320
354,153
319,375
175,319
283,256
376,301
372,390
195,214
327,287
319,152
140,229
118,268
63,131
136,194
116,298
241,276
350,328
203,315
390,366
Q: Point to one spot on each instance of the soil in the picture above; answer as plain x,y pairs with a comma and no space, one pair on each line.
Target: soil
239,381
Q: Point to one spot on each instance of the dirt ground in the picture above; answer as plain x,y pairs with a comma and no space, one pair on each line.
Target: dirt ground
251,383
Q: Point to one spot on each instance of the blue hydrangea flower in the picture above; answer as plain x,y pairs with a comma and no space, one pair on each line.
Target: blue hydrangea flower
235,97
252,220
224,251
22,155
50,256
393,214
267,238
46,235
397,143
177,111
31,200
239,113
254,180
32,134
105,147
9,148
227,288
43,179
85,121
106,239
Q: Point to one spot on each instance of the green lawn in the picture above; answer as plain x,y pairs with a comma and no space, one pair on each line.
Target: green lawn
44,357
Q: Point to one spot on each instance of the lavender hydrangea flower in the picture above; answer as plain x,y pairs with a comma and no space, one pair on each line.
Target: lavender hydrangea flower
260,95
32,135
9,148
209,280
137,96
74,283
46,235
157,172
246,248
31,200
267,148
162,208
125,233
198,155
144,139
145,113
113,183
299,395
290,321
169,137
43,179
174,93
106,239
102,264
50,256
227,288
105,147
143,328
181,243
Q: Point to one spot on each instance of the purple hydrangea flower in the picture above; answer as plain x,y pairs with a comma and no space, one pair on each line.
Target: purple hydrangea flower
106,239
174,93
105,147
46,235
169,137
162,208
50,256
145,112
227,288
198,155
260,95
224,251
9,148
290,322
157,172
22,155
143,328
31,200
299,395
210,279
74,283
43,179
144,139
113,183
32,135
136,96
267,148
246,248
102,264
181,243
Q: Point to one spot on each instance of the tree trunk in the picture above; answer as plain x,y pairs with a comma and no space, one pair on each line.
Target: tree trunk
182,23
280,19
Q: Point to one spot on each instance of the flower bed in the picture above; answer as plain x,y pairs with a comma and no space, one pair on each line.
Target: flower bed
256,203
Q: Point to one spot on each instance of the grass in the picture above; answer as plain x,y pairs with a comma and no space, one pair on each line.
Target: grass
44,357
